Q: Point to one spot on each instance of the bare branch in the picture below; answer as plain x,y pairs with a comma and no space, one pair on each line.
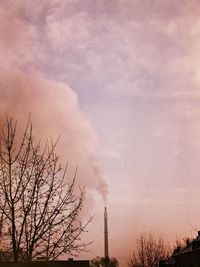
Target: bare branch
40,207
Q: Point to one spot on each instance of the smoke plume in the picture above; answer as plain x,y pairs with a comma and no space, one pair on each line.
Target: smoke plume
53,105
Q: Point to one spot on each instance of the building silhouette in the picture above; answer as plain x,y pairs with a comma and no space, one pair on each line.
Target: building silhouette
69,263
184,256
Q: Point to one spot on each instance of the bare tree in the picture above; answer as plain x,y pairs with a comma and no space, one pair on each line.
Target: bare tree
148,252
39,210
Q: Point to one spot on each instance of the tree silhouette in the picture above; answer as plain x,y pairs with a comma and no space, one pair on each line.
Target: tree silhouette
39,210
148,252
102,262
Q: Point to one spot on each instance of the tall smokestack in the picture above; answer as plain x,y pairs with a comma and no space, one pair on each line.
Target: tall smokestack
106,255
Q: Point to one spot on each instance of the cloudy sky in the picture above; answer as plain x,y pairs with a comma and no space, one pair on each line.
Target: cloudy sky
119,80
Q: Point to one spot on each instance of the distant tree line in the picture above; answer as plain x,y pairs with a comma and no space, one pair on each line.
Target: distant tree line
104,262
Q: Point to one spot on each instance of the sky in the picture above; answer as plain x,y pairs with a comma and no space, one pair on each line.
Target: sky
119,82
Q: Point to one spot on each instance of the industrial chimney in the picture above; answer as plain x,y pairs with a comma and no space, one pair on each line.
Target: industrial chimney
106,255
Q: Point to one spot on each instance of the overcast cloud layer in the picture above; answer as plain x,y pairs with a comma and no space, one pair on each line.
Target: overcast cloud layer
132,67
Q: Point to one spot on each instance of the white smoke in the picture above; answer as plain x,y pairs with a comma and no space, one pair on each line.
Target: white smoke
53,105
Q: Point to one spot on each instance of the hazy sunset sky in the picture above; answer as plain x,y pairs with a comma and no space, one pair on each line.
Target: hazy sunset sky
119,80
